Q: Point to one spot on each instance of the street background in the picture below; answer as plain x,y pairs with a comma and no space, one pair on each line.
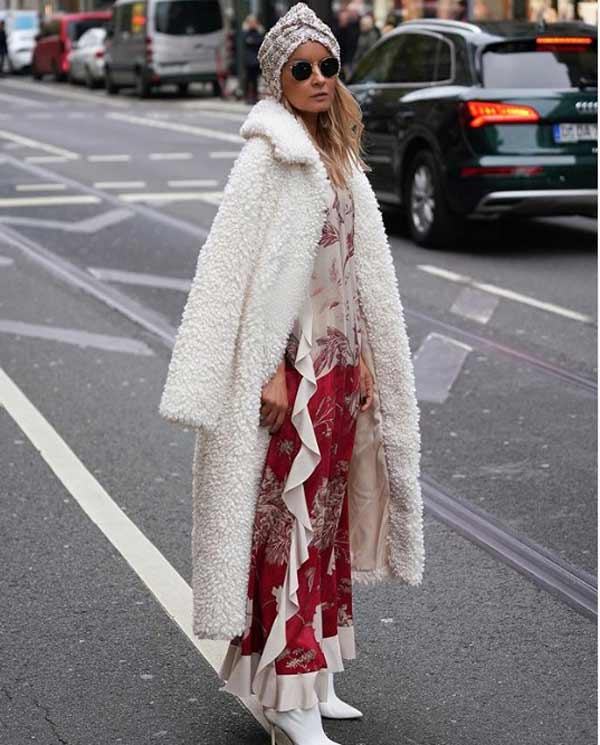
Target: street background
104,204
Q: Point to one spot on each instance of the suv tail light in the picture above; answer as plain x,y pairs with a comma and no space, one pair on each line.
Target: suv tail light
99,53
480,113
563,43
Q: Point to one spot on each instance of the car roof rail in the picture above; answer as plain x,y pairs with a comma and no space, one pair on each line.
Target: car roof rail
444,22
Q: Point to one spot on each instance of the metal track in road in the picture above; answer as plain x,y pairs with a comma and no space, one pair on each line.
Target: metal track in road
571,584
589,385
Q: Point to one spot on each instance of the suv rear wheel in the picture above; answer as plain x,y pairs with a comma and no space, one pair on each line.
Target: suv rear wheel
430,220
142,85
109,83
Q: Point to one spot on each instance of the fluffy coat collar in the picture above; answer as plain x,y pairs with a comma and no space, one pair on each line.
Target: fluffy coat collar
287,134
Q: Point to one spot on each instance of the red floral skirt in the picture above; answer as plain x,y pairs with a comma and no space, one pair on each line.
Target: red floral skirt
321,632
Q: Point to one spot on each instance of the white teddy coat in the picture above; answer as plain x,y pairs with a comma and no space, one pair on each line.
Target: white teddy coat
251,280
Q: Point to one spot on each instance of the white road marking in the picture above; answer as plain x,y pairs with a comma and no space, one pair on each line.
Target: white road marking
437,363
192,183
211,197
6,261
47,159
28,142
211,104
48,201
508,294
163,581
19,99
138,278
60,91
119,184
225,115
40,187
116,158
190,129
170,156
88,225
224,153
474,304
76,337
39,115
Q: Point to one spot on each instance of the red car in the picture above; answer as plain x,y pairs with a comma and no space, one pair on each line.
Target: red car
57,36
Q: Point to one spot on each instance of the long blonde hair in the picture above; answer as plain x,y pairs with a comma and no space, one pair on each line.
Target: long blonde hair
339,134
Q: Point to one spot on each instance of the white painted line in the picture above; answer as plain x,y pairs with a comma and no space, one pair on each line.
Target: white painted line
39,115
119,185
78,115
6,261
508,294
192,183
211,197
438,362
47,159
58,90
170,156
224,154
164,582
84,339
19,99
120,158
143,280
224,115
40,187
190,129
49,201
474,304
213,105
88,225
28,142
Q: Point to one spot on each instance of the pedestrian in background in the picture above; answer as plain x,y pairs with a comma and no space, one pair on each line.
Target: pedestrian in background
369,34
253,38
3,46
347,30
292,365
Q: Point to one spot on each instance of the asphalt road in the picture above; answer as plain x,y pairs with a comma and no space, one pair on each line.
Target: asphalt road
104,204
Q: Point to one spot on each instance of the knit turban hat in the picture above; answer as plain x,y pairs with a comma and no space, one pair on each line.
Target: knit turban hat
298,25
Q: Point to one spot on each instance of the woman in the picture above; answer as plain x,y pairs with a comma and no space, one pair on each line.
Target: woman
293,366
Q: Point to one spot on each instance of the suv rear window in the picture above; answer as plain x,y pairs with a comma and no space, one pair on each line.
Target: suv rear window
525,64
188,17
76,29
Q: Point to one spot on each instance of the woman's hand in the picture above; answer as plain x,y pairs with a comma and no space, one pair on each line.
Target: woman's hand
366,385
274,400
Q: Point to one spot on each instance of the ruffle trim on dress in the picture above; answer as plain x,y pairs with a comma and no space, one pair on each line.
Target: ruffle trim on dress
283,692
262,672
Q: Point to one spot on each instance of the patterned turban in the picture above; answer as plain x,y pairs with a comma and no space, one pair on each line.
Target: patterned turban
298,25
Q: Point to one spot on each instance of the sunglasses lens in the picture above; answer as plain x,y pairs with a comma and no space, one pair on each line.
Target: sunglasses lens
301,70
330,67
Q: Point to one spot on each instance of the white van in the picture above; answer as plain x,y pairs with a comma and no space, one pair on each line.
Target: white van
21,29
151,42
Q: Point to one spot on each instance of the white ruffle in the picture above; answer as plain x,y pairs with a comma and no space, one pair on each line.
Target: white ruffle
255,674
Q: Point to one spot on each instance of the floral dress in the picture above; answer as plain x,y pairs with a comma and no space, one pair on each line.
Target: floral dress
299,610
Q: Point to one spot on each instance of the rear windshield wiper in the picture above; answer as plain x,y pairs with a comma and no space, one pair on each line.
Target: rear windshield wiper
588,83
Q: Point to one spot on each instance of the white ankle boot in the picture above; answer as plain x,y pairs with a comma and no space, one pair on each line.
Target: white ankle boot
297,727
334,707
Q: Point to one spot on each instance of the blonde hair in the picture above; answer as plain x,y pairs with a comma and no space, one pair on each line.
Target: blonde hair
339,134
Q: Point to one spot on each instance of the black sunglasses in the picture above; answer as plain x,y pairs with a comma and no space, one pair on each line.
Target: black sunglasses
302,70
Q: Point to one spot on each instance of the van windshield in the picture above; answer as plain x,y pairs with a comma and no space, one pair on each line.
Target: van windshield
187,17
23,23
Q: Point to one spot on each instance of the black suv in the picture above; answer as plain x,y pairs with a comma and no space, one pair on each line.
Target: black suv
484,119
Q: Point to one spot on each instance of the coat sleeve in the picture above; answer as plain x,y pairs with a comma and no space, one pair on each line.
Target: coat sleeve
200,368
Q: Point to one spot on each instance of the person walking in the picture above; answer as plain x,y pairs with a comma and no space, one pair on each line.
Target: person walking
369,35
253,37
3,46
292,366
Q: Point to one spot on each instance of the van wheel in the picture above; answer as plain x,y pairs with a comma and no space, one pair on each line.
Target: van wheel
142,86
183,88
109,83
90,81
430,221
35,73
216,89
57,74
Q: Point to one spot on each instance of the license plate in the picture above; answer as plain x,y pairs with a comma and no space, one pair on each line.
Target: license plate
575,132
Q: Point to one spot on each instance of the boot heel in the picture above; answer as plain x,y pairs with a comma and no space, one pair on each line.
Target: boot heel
279,737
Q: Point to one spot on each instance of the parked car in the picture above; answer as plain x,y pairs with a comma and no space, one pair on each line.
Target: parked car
86,59
21,29
57,35
480,119
152,42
